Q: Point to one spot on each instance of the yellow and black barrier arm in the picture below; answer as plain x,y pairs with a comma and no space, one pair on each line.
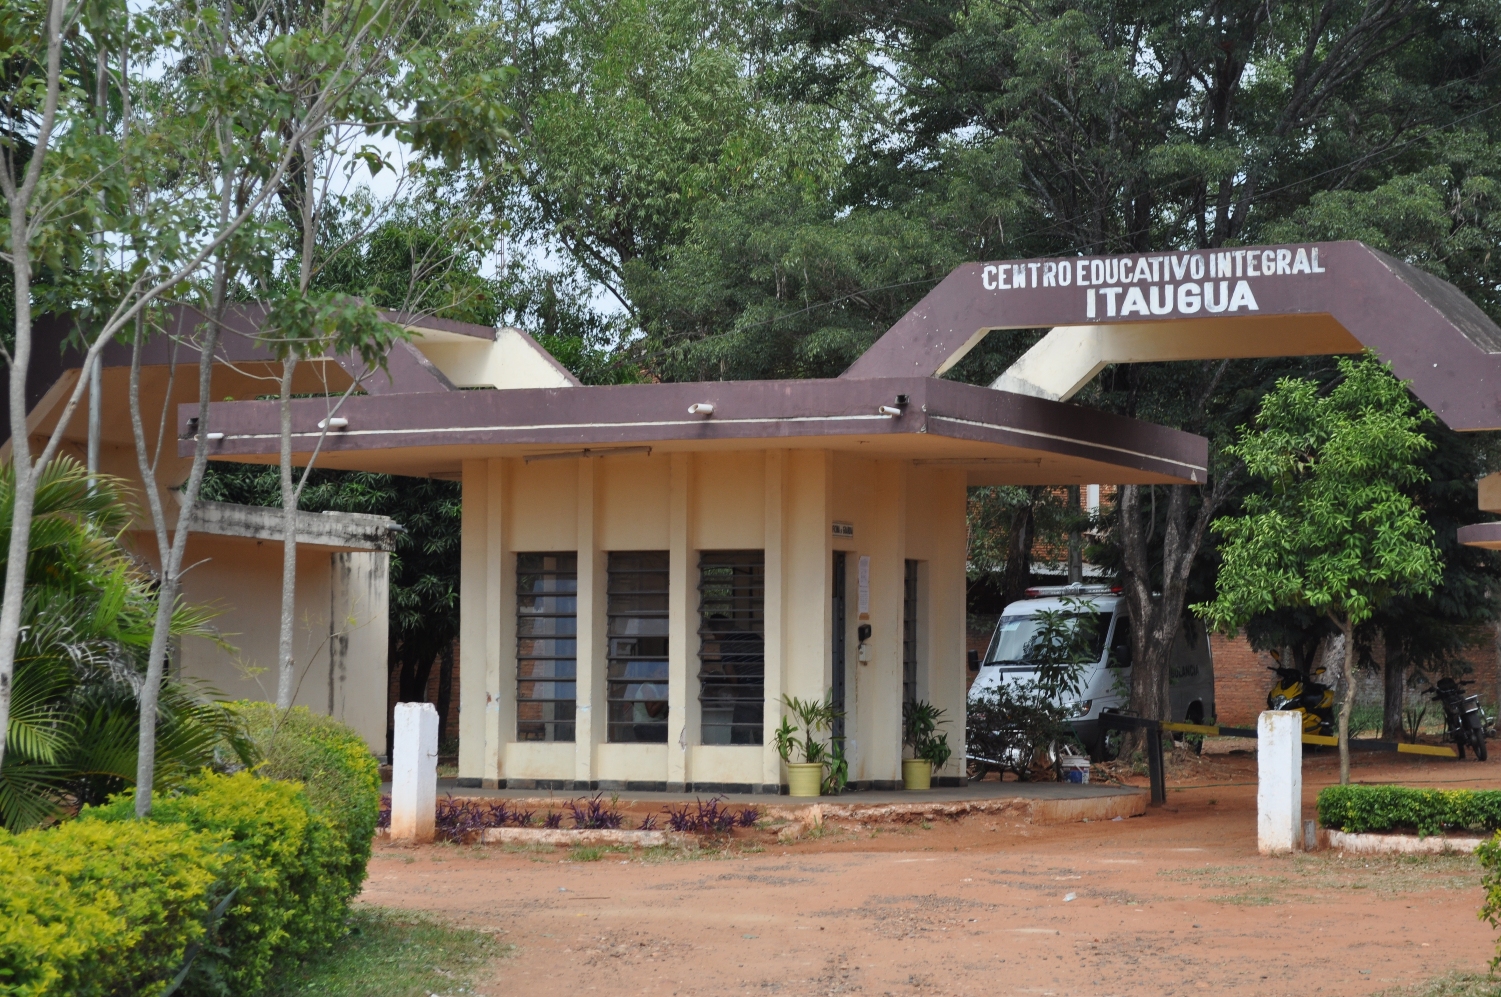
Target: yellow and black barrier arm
1356,744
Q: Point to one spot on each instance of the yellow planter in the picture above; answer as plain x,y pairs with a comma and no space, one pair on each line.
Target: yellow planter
804,778
916,774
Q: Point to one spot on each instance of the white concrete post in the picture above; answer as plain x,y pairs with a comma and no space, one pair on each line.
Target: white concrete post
1279,781
414,773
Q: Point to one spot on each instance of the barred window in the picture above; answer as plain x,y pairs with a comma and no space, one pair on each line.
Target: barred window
637,628
732,645
909,633
546,646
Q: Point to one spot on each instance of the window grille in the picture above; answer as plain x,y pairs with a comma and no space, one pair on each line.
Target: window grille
546,646
636,615
732,645
909,633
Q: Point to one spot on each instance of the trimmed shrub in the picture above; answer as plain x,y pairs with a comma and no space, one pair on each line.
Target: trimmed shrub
1396,808
89,908
287,864
335,766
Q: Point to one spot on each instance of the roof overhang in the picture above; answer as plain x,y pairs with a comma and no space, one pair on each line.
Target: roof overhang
994,436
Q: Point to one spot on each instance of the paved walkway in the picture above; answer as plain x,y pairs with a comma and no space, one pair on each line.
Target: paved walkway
959,794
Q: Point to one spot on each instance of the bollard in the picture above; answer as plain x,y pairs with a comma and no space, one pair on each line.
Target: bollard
1279,781
414,773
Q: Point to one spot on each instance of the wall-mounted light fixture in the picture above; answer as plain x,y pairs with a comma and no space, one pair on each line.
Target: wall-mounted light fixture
701,408
894,410
335,422
215,437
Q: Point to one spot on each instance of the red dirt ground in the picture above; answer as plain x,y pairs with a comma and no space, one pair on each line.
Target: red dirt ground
1176,902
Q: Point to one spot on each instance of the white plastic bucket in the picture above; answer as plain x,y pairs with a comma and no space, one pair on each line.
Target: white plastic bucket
1075,769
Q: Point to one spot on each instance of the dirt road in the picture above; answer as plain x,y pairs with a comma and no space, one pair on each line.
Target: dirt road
1177,902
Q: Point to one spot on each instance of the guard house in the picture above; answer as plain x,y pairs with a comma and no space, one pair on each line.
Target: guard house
648,569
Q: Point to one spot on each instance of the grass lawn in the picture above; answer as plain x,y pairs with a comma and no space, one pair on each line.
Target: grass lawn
1457,985
393,953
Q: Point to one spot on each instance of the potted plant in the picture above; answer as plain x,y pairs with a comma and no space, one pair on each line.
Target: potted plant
930,748
804,776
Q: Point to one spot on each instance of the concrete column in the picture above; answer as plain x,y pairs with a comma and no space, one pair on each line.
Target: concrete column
500,682
414,773
473,609
589,726
880,679
682,635
771,764
1279,786
358,632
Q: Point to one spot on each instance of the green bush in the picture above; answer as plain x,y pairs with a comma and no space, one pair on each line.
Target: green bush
1427,811
332,762
88,908
1489,854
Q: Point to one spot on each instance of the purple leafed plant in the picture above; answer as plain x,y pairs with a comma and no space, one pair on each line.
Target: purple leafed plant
709,817
594,812
553,819
383,815
648,823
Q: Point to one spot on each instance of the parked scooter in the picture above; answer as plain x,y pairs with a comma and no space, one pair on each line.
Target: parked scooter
1464,720
1296,691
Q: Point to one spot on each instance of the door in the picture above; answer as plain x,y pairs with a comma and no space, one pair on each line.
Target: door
839,628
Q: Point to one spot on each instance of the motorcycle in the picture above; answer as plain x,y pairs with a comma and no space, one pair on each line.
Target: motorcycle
1465,722
1295,691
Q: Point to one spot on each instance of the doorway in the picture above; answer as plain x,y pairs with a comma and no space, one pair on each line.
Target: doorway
837,693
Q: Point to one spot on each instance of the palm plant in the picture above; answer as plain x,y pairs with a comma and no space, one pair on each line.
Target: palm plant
81,660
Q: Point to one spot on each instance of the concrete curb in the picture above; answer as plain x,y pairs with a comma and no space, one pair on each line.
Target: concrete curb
1064,811
1399,844
569,836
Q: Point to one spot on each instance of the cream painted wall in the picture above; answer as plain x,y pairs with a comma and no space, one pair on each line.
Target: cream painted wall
781,501
340,636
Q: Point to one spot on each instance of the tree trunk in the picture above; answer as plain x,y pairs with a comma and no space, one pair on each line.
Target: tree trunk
1075,537
1394,692
445,690
1348,704
1017,577
1155,621
286,663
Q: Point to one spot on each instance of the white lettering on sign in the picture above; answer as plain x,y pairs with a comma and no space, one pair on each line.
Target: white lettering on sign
1212,281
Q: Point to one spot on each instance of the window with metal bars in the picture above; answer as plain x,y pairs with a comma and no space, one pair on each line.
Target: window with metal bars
636,668
732,645
909,633
546,646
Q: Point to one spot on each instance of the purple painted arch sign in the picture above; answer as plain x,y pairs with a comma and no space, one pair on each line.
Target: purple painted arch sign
1253,301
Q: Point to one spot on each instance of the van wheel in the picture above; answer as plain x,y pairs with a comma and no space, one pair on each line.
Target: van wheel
1195,716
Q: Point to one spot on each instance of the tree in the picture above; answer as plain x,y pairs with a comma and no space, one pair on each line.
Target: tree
81,663
1336,532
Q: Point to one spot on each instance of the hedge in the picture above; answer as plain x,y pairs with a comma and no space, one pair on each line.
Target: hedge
1426,811
245,874
94,909
341,776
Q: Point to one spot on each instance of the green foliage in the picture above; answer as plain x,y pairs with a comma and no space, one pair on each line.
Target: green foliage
286,868
1014,726
86,633
335,767
1489,854
920,723
1397,808
91,909
1062,646
813,718
1335,532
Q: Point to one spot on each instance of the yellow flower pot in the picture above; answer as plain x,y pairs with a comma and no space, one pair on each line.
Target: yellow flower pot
916,774
804,778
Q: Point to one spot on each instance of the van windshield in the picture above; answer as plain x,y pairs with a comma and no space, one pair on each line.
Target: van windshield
1017,638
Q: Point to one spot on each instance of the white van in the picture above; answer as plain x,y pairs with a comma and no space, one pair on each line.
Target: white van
1106,681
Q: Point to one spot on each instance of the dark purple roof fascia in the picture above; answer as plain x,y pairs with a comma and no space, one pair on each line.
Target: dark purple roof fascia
647,413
